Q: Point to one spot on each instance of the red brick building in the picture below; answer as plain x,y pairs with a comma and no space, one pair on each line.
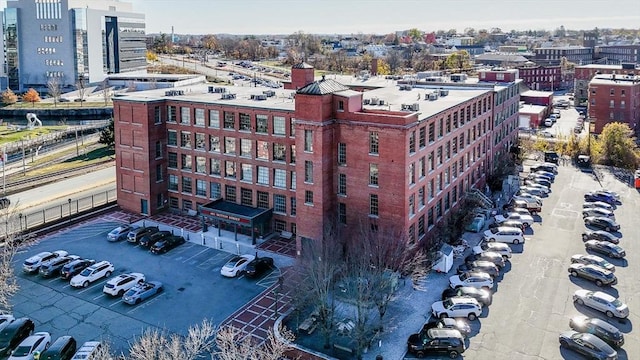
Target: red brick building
547,78
584,74
615,98
258,161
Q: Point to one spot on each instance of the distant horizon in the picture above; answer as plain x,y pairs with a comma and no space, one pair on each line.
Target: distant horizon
379,17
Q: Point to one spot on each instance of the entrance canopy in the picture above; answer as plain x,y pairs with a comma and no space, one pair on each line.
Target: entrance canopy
236,213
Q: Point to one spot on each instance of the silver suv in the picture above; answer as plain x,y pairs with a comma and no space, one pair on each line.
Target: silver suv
92,273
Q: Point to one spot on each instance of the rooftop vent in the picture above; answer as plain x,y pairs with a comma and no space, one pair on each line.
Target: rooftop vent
269,93
217,90
366,101
405,87
174,93
258,97
433,96
444,92
228,96
410,107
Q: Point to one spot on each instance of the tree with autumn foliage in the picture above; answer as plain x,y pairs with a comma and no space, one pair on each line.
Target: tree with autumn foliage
31,96
9,97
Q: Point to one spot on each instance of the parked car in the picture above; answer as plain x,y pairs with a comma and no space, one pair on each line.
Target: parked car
32,345
437,341
605,247
527,220
94,272
595,196
476,225
120,233
536,189
592,259
448,323
121,283
551,176
150,239
520,210
501,234
88,351
457,307
236,265
509,224
500,248
531,192
13,334
480,265
136,234
166,244
75,267
62,349
614,194
552,168
600,328
478,280
258,266
491,256
598,212
141,292
32,264
597,204
602,223
588,345
483,296
53,267
594,273
5,319
602,302
600,235
4,202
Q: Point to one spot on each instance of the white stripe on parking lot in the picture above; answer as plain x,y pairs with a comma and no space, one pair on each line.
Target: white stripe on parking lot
145,303
196,255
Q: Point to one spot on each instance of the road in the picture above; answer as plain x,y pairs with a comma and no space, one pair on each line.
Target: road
59,192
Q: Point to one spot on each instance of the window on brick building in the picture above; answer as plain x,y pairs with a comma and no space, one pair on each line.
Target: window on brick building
342,213
342,184
158,149
171,114
187,185
431,190
439,155
230,145
173,182
373,142
421,200
215,167
431,162
230,169
447,150
230,193
262,150
342,154
200,141
440,128
293,206
246,197
439,209
308,171
422,171
412,173
245,122
201,164
280,204
215,191
263,200
159,173
246,172
279,152
185,116
214,143
246,147
292,151
214,119
430,218
263,175
293,180
412,142
373,174
308,140
280,178
279,125
157,115
172,161
421,226
373,204
455,120
432,132
448,124
201,187
199,117
262,124
172,138
412,204
185,139
308,197
229,120
422,137
454,194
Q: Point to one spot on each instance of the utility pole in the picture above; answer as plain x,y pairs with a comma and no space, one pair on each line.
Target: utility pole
77,146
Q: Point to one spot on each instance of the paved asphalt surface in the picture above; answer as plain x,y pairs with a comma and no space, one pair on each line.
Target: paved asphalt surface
194,289
533,302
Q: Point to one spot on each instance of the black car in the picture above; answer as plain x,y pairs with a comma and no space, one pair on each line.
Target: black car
13,334
600,235
136,234
486,256
484,297
258,266
480,265
75,267
595,273
600,328
605,247
601,222
54,266
437,341
587,344
150,239
166,244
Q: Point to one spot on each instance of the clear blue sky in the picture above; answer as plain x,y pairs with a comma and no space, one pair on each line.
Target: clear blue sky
381,16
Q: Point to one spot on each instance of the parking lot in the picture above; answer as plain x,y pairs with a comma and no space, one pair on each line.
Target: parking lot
193,289
533,301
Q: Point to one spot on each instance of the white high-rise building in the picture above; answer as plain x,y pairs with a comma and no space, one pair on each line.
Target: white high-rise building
70,41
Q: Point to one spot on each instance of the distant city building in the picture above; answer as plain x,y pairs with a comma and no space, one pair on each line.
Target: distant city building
618,54
69,40
548,78
501,59
615,98
257,161
584,74
553,55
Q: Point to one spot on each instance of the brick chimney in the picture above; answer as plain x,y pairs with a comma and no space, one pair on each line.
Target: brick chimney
301,75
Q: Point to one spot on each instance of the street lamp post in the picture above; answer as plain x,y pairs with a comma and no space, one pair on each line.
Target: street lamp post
69,200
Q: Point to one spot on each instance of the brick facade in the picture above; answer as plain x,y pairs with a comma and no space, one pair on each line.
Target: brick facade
615,98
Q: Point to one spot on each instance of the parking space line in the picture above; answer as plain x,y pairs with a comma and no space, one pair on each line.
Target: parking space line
100,296
196,255
117,302
91,286
145,303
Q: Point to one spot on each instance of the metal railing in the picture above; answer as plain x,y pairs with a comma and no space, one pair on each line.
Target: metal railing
25,222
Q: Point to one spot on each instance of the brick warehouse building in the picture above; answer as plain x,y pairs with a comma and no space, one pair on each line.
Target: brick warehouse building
259,161
615,98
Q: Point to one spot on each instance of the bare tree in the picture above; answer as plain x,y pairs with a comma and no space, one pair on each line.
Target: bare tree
231,345
81,86
158,345
53,86
394,60
11,238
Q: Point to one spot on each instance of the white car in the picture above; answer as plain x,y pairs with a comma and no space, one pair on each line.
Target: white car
500,248
532,191
598,212
521,211
527,220
474,279
236,265
121,283
5,319
602,302
549,175
456,307
597,204
37,342
540,187
32,264
92,273
88,351
501,234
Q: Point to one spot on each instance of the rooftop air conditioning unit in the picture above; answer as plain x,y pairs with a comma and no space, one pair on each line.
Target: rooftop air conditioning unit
174,92
366,101
444,92
380,102
228,96
258,97
374,101
219,90
433,96
269,93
